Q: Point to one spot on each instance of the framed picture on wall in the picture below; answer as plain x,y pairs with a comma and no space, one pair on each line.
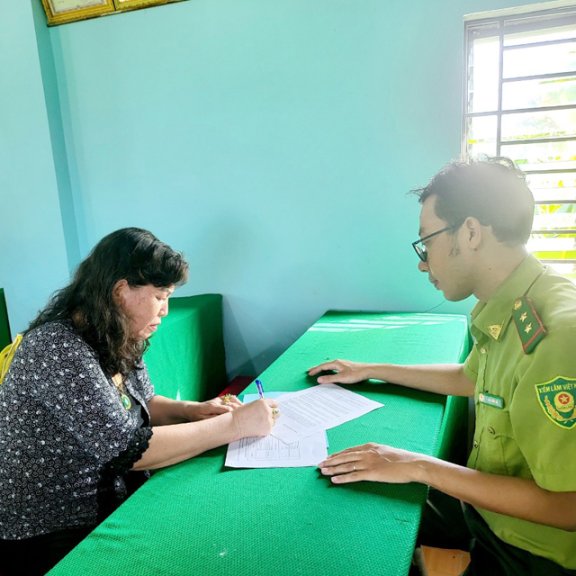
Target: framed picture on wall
62,11
133,4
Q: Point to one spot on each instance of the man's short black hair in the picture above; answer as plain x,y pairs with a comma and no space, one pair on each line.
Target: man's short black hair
494,191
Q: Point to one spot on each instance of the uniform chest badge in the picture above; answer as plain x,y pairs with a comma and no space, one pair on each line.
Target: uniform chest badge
557,400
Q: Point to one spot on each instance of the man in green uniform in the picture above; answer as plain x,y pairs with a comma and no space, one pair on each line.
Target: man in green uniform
519,487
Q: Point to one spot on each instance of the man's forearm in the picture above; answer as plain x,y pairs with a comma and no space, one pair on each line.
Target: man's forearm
517,497
448,379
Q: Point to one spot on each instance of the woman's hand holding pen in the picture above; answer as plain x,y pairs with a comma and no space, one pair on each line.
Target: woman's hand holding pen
343,372
256,418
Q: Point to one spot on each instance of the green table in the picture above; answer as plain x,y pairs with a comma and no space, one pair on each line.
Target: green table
199,518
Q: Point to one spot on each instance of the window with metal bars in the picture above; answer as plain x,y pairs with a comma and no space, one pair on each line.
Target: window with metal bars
521,103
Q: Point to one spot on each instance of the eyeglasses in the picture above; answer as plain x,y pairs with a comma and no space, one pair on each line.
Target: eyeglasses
420,246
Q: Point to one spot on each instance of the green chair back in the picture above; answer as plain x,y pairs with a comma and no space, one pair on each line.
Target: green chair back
5,335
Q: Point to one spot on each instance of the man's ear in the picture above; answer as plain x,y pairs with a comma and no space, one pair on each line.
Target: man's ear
473,232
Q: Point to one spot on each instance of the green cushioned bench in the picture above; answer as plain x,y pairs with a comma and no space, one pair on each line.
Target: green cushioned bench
5,336
198,517
186,357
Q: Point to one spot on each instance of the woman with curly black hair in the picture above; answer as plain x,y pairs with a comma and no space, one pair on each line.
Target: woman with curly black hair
80,424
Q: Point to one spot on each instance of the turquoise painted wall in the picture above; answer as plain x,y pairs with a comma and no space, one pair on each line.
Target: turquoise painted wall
33,259
272,142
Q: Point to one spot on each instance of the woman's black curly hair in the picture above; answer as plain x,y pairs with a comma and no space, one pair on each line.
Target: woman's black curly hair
132,254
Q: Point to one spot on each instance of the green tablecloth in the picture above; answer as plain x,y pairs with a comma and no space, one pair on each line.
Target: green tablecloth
186,356
199,518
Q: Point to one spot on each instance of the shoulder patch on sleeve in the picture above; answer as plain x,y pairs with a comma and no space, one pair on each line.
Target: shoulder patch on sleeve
529,325
556,398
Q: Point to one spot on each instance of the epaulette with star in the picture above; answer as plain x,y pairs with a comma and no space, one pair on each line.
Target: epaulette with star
529,325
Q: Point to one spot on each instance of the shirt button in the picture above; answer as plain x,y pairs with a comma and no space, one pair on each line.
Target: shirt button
476,444
491,430
482,350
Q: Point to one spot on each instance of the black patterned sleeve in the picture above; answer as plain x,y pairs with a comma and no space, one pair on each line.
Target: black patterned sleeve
80,398
136,447
145,383
116,480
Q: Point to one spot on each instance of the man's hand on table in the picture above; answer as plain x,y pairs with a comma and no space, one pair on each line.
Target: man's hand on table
343,372
374,462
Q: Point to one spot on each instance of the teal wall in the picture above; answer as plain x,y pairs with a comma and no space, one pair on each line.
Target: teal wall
33,259
272,141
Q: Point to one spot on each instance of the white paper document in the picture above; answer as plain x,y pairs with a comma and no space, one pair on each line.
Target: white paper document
318,408
269,452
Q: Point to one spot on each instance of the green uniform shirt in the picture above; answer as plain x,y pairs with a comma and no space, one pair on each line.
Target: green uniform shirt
524,365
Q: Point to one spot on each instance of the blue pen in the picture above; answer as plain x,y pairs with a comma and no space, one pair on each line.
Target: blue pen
260,388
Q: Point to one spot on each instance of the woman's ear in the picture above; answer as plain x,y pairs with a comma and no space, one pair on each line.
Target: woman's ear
119,290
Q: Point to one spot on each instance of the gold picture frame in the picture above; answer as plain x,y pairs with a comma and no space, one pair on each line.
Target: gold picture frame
63,11
135,4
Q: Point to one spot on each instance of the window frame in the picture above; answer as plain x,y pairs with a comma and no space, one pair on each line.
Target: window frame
499,25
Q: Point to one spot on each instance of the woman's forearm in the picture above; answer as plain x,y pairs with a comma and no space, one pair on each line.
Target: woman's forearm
174,443
165,411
